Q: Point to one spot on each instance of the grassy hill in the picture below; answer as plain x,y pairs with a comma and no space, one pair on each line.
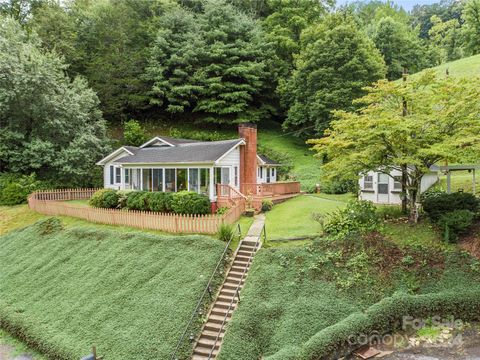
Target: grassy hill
130,293
291,151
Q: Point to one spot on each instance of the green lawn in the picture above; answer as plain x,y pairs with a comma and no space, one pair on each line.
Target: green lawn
130,293
466,67
293,218
292,293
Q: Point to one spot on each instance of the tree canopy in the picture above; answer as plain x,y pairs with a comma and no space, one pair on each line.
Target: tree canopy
48,124
440,124
335,62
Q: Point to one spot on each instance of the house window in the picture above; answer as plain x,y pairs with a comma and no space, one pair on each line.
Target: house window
222,175
383,183
181,179
397,183
128,173
157,179
118,175
368,182
273,172
169,180
112,175
235,176
147,179
193,184
205,181
260,171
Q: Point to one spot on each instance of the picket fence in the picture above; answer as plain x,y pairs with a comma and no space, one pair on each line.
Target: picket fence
54,202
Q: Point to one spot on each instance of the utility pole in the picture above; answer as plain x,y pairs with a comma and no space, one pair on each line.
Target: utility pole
404,166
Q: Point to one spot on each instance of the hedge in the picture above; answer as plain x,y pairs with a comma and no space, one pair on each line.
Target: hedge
381,318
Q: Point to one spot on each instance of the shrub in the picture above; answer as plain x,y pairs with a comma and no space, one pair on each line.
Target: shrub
137,200
359,216
455,223
222,210
226,232
133,133
267,205
390,212
159,201
188,202
122,198
338,186
104,198
14,189
436,203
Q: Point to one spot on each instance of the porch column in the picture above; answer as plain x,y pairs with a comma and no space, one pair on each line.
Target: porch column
212,184
473,182
122,178
448,182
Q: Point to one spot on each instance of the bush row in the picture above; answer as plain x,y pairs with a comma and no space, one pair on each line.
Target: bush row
14,189
453,213
183,202
381,318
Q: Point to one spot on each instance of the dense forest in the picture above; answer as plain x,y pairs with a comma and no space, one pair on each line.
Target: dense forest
69,69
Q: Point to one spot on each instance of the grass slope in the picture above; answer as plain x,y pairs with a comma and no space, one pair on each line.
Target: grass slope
466,67
293,293
131,294
294,218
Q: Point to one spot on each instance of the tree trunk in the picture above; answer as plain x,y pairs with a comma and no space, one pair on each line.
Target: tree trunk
413,192
404,188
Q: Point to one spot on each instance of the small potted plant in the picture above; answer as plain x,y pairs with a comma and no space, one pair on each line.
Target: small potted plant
250,210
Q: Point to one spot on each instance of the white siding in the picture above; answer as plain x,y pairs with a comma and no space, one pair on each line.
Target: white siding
393,196
106,171
231,159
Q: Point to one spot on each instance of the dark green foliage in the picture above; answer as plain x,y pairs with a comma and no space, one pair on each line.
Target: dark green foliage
133,133
338,186
105,198
14,189
49,124
437,203
226,232
160,201
454,223
130,293
390,212
137,200
267,205
188,202
358,216
214,63
335,62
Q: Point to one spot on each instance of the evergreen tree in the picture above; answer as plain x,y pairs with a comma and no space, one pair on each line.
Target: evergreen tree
471,16
214,64
335,62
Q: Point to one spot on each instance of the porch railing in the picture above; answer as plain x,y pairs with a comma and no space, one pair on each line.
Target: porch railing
273,189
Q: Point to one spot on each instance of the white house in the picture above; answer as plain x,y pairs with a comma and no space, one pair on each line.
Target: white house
168,164
382,188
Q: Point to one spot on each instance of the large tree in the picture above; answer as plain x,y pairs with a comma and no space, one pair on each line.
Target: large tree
214,64
49,124
335,62
413,125
471,16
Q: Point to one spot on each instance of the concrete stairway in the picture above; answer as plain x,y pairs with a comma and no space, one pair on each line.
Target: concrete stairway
210,340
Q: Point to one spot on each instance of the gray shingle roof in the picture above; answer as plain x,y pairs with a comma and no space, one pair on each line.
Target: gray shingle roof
267,160
183,152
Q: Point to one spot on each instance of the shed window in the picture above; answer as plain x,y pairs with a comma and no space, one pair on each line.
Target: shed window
397,183
368,182
383,183
112,175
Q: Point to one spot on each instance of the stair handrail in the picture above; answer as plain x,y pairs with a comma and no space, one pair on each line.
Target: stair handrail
200,301
233,298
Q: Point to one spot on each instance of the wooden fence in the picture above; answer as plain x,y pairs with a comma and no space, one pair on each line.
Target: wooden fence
52,202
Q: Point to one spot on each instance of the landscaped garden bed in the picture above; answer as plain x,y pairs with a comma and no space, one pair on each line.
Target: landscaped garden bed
131,293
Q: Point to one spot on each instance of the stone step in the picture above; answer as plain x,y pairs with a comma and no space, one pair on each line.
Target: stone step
236,274
242,258
245,253
247,248
226,299
230,285
219,318
250,241
238,268
220,311
226,304
212,326
228,293
241,264
209,334
204,351
208,343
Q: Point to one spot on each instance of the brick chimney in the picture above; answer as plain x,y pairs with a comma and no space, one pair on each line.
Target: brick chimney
248,157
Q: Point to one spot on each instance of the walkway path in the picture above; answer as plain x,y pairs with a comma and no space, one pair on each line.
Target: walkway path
210,340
